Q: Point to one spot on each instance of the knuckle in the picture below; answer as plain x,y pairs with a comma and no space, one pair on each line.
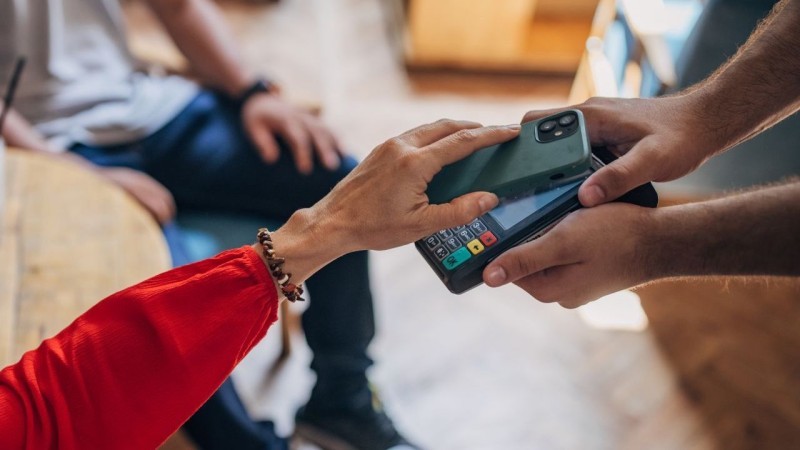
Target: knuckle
597,101
546,295
529,116
618,175
537,290
449,123
523,264
467,211
407,163
465,135
392,145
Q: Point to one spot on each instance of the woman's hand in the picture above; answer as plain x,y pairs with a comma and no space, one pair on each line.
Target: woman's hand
382,203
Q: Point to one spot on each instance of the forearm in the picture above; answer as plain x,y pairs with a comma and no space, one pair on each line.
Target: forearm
131,370
757,87
200,32
754,233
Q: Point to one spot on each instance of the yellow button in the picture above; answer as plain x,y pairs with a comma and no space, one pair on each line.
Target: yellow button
475,247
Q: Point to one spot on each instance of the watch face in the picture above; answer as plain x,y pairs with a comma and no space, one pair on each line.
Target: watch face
260,86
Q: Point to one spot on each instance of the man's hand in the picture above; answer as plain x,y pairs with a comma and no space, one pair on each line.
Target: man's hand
591,253
267,116
656,140
146,190
666,138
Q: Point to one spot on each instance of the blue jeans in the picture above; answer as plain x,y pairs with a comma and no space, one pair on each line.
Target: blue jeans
206,160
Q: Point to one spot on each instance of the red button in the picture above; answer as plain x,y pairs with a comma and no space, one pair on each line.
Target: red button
488,239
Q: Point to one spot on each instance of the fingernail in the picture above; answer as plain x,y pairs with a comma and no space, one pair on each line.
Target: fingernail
514,126
496,276
595,195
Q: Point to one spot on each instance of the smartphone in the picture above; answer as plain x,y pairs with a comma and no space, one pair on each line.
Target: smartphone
547,153
459,255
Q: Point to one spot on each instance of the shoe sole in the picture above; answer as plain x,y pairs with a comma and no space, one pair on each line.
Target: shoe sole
320,438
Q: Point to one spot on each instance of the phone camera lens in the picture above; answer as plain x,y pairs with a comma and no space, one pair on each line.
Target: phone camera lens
548,126
566,120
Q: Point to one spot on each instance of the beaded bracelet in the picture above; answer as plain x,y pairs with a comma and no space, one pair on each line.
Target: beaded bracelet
291,291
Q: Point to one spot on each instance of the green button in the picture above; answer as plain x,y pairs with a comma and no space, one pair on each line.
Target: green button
457,258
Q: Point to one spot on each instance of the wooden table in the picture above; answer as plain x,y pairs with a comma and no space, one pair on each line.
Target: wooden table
68,240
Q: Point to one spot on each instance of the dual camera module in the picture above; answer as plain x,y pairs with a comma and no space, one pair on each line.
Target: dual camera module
557,128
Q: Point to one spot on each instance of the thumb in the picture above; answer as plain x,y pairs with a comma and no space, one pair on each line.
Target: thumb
618,178
524,260
461,210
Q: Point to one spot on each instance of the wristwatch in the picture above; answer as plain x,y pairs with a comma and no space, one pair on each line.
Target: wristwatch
260,86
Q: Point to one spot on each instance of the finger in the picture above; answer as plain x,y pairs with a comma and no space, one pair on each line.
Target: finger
325,146
573,303
537,114
463,143
432,132
300,144
555,285
459,211
524,260
162,201
165,211
156,207
621,176
265,144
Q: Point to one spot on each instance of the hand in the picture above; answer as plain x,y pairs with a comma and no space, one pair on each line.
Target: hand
266,116
147,191
591,253
382,203
656,139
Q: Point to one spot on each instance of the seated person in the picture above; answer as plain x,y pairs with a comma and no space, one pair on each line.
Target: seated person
128,372
232,144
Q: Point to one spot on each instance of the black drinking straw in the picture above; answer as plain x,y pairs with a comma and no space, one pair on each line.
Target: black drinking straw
12,87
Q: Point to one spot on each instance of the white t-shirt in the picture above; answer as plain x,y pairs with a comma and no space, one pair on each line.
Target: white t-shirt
81,83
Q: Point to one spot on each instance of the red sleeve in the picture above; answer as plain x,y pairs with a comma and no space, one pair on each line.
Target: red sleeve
131,370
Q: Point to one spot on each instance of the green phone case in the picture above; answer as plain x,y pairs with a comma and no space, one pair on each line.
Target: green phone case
519,166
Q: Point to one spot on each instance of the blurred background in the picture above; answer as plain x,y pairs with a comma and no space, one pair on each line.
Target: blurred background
699,364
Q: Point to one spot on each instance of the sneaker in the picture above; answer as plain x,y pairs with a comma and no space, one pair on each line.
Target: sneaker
367,428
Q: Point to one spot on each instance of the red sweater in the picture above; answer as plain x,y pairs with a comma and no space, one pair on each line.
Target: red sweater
128,372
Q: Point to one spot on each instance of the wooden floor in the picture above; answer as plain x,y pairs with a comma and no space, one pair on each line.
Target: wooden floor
717,367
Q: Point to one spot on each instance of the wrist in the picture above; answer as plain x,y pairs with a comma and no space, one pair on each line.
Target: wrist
705,132
674,246
308,243
257,87
717,123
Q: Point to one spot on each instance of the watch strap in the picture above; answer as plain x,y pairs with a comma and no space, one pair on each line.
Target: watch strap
261,85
